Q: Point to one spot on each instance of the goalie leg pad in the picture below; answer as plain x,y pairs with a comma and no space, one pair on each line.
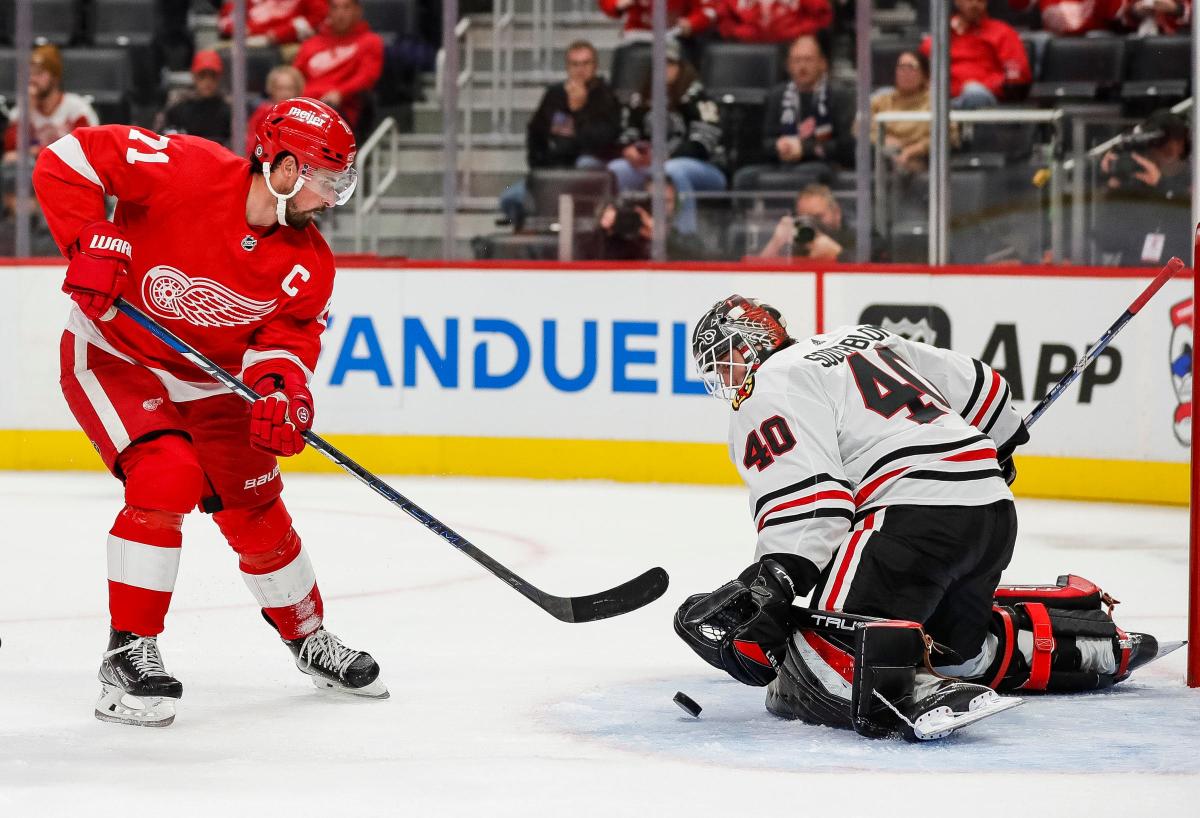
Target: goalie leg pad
1056,650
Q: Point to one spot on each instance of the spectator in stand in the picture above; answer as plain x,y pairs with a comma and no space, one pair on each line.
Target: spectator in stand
816,231
342,61
1146,211
276,22
694,146
1068,18
50,113
625,229
906,144
806,119
772,21
284,82
576,125
1150,17
205,112
53,112
686,17
987,60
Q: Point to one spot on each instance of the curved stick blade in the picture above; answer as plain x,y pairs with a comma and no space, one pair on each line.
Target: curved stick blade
626,597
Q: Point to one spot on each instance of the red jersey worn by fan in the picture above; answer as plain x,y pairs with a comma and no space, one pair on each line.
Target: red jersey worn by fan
700,15
284,21
1070,17
772,21
989,53
223,252
349,64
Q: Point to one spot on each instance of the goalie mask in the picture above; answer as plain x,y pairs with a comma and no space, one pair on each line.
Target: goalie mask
319,139
746,326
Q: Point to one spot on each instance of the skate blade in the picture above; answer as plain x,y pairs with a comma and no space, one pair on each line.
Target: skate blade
942,721
118,707
375,690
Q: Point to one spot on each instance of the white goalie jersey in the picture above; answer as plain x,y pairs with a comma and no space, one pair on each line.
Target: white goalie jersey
836,426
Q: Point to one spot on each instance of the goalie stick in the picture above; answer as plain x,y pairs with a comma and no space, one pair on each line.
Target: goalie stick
1172,267
626,597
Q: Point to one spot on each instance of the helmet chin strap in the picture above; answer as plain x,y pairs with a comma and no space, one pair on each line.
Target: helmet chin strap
281,199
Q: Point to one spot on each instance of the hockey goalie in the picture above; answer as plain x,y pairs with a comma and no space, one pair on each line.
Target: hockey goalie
879,472
226,253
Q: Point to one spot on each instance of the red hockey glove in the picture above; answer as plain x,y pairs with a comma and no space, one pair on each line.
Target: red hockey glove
98,269
284,410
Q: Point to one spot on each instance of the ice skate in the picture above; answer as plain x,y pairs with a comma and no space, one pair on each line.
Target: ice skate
333,666
1145,649
135,688
940,706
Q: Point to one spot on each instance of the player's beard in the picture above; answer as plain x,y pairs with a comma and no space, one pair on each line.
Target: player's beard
297,218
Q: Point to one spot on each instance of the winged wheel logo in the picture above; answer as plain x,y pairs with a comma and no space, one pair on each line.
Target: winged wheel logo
170,293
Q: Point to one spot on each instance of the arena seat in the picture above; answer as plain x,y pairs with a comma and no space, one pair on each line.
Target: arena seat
394,17
131,24
1028,18
588,187
739,72
54,21
104,74
630,69
123,22
516,246
884,54
1158,67
1035,47
1079,68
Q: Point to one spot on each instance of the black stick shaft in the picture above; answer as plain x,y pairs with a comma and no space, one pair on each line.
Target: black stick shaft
1173,266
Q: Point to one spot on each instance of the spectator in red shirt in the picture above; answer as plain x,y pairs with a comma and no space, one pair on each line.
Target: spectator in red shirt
687,17
986,57
342,61
1149,17
772,21
276,22
284,82
1075,17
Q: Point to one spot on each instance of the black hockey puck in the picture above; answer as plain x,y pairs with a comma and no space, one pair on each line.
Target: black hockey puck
687,704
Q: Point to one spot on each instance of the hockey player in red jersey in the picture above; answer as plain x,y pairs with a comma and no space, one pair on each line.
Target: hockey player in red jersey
878,471
224,252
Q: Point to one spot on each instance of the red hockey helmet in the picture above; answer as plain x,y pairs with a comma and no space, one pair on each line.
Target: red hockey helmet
318,137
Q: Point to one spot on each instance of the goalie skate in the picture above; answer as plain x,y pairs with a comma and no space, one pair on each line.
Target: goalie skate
135,688
949,707
333,666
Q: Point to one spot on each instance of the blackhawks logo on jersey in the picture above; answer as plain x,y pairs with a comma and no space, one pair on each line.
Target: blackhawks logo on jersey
746,390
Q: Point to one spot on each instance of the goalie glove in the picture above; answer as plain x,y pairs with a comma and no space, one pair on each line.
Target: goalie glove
742,627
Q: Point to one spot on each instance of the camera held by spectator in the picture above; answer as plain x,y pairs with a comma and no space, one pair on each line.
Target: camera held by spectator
1151,160
815,230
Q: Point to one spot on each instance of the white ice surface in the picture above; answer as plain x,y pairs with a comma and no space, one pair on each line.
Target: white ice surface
498,709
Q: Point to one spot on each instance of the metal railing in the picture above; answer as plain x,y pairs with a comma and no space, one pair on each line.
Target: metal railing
375,178
464,83
503,23
542,31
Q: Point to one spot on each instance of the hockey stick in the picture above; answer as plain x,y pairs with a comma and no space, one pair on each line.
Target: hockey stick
1173,267
626,597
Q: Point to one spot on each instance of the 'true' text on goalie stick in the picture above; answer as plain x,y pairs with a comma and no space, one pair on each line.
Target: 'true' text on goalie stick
629,596
1173,267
